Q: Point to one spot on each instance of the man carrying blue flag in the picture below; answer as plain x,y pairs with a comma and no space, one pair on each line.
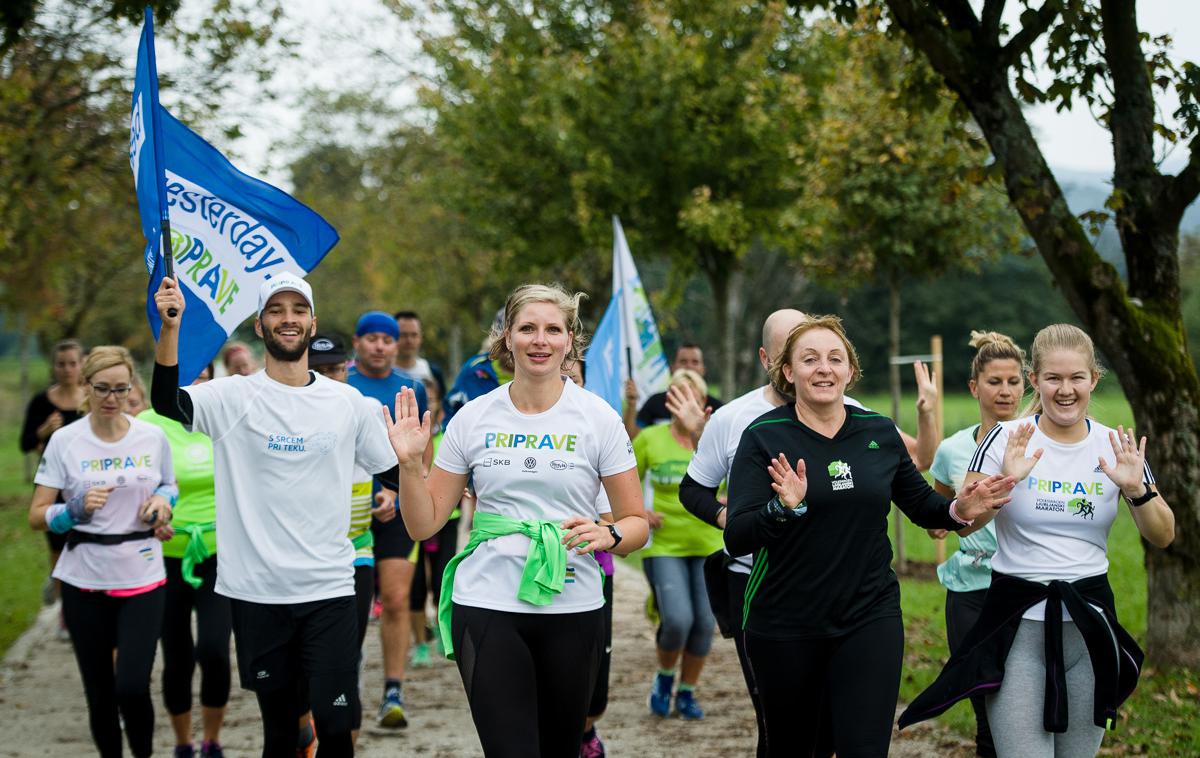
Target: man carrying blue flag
286,441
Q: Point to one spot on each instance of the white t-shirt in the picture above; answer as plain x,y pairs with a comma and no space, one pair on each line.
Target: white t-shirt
420,370
1057,525
719,443
544,466
284,464
77,460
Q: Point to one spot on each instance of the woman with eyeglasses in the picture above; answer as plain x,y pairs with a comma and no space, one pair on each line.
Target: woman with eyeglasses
116,479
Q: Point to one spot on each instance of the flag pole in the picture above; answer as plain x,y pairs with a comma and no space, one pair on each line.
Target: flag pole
160,163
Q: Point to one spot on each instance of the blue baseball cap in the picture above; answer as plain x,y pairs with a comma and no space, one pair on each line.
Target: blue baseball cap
377,321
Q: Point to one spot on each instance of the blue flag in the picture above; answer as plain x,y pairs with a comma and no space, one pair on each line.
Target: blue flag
228,231
605,357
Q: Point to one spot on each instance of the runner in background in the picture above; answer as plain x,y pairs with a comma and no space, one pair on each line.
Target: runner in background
522,602
654,410
238,359
47,412
997,383
479,375
408,352
375,375
115,475
674,561
190,559
137,400
327,356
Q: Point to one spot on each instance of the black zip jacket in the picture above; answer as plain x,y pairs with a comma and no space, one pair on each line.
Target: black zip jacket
978,666
828,571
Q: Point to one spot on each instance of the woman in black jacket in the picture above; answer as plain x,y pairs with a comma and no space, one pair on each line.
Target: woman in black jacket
822,607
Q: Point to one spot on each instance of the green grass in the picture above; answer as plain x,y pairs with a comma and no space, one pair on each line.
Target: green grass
1163,715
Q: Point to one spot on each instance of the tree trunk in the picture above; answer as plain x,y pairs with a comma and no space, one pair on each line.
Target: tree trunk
733,310
894,382
1139,330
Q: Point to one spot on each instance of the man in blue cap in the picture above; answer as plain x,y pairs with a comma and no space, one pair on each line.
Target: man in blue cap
374,374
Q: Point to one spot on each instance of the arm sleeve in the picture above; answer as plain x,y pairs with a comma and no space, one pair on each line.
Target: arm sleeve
923,506
700,501
35,416
167,397
390,478
748,526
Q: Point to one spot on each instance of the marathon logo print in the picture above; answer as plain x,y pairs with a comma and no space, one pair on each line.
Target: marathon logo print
839,474
563,442
115,464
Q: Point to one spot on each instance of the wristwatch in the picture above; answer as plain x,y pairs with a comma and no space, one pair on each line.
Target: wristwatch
1141,500
616,534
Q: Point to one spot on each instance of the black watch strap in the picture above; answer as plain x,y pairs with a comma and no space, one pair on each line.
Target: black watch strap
1141,500
616,534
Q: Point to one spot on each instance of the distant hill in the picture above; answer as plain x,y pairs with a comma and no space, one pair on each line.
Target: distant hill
1088,190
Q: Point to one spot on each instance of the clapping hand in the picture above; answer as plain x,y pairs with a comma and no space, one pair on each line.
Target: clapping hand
791,485
1128,469
1016,465
409,433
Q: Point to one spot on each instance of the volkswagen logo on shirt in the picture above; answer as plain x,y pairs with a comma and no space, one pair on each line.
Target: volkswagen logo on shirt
531,463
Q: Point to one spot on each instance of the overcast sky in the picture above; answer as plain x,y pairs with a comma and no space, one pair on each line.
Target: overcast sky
336,37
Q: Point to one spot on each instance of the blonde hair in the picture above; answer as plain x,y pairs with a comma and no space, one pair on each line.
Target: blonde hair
688,376
993,346
528,294
1055,338
101,358
834,324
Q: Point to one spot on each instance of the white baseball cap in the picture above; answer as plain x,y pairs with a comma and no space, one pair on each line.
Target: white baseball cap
285,282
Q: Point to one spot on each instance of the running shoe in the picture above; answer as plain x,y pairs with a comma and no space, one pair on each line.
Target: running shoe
686,705
184,751
391,711
660,694
376,610
211,749
48,591
420,655
593,748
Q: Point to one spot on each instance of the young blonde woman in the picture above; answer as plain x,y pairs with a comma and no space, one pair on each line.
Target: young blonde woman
997,383
1047,650
115,475
521,604
674,561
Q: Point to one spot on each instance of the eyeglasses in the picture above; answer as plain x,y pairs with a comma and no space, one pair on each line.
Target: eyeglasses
102,391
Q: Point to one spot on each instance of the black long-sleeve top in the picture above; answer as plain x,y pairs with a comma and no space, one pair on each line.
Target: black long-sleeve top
828,571
39,409
170,400
700,501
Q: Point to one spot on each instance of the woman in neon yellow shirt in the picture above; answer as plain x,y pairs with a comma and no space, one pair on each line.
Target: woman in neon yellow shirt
674,561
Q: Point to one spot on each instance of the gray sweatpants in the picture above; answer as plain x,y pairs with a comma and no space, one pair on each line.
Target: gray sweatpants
1015,711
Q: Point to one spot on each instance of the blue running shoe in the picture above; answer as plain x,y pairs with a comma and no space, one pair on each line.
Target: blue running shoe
686,706
391,711
660,694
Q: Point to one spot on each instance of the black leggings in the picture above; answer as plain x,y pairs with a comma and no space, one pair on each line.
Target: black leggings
529,677
429,581
858,673
210,648
962,611
600,692
98,623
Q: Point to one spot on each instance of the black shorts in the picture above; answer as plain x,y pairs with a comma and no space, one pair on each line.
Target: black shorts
279,645
58,542
391,539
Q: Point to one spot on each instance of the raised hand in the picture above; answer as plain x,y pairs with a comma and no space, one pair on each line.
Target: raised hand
791,485
166,298
684,405
927,393
631,391
1128,468
977,498
1016,464
409,433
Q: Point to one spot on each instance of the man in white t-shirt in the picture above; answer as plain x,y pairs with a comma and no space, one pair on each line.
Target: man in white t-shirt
408,352
286,442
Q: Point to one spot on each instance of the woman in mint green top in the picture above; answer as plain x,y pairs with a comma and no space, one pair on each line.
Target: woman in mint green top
674,559
190,557
997,383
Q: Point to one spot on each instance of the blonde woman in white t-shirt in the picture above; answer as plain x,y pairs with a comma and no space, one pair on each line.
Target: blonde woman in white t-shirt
521,605
1050,568
117,482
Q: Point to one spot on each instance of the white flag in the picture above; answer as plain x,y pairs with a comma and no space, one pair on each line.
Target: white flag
642,349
